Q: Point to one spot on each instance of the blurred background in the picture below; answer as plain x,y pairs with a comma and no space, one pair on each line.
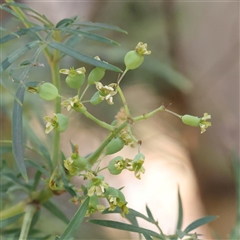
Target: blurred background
194,65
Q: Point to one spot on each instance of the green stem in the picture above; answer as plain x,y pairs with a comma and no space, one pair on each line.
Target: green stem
147,115
94,157
123,100
99,122
54,64
30,210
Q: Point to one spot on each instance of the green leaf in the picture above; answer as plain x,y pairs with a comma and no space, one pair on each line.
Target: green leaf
82,57
147,237
125,227
56,211
102,26
21,32
17,137
38,167
91,36
8,221
199,223
9,11
16,54
25,7
75,222
180,211
149,213
65,22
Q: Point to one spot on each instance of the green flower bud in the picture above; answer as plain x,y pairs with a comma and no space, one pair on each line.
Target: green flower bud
111,192
96,98
115,145
79,161
96,75
133,60
62,122
191,120
75,81
116,165
47,91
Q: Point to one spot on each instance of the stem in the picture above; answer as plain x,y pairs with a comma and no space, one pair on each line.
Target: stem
30,210
54,64
100,123
123,100
147,115
173,113
94,157
84,91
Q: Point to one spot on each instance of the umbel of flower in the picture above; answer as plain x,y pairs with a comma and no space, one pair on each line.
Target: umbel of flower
74,103
106,92
116,165
75,78
58,122
133,59
94,206
137,165
197,122
75,164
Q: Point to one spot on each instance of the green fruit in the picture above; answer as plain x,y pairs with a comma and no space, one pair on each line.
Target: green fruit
133,60
96,99
116,165
111,192
191,120
62,122
47,91
96,75
114,146
75,81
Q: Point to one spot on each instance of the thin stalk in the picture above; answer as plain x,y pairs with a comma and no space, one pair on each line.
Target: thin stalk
29,213
54,64
100,123
94,156
123,100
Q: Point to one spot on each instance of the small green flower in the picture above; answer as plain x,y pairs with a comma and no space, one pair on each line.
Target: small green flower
97,186
58,122
74,103
141,48
203,123
94,206
138,165
107,92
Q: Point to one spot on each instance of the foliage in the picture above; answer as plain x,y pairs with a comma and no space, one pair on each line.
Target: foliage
54,170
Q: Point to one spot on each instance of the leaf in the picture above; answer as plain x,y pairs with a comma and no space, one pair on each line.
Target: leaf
23,6
147,237
16,54
8,221
38,167
149,213
65,22
82,57
21,32
91,36
5,149
199,223
75,222
9,11
125,227
180,211
102,26
56,211
17,137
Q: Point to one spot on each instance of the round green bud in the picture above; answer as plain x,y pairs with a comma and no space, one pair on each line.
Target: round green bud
96,75
133,60
93,201
191,120
62,122
116,165
139,157
76,80
47,91
115,145
96,99
79,161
